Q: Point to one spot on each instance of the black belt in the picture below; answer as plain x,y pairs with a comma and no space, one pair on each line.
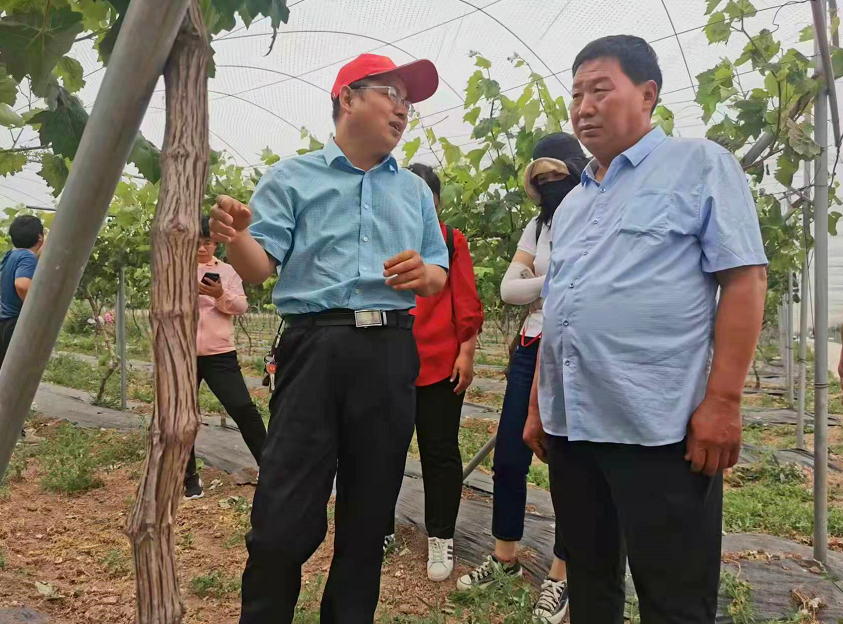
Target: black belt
401,319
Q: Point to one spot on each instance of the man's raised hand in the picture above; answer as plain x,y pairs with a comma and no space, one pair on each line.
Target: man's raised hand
228,218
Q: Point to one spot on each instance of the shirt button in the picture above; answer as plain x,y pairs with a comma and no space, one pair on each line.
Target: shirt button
602,190
356,291
585,253
366,206
565,323
567,362
571,285
596,221
365,239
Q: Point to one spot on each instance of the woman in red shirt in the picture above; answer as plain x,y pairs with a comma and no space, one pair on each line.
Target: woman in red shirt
446,329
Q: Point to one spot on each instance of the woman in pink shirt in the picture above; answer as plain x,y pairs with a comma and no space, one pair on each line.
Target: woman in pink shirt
221,298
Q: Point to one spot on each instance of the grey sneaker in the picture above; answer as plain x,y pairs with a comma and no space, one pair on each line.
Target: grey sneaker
193,487
552,605
484,575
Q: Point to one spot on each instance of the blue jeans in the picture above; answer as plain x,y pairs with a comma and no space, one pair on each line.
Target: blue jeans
512,456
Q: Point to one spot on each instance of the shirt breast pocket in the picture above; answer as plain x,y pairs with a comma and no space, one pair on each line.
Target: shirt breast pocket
646,217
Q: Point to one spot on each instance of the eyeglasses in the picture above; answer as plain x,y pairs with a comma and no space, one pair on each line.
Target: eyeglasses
393,95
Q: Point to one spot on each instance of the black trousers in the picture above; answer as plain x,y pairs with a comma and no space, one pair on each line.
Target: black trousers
7,328
343,406
617,500
225,379
438,412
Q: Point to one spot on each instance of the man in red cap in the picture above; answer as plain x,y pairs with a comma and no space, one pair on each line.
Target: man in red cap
354,239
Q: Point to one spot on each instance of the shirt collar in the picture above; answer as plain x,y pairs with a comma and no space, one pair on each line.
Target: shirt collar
332,152
647,144
634,154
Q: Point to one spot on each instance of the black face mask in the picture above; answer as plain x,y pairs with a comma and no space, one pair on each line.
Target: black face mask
552,194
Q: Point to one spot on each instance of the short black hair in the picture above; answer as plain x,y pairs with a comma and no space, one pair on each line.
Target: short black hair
335,102
25,231
205,227
427,174
637,58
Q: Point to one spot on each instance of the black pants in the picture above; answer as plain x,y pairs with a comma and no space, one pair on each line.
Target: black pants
223,375
617,500
438,412
343,406
7,328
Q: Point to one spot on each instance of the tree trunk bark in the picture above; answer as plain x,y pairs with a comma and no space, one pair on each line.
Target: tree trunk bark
173,316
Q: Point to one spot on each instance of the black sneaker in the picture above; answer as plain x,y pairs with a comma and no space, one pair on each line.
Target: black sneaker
193,487
552,605
485,574
388,544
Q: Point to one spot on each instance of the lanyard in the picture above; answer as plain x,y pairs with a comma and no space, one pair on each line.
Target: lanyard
524,341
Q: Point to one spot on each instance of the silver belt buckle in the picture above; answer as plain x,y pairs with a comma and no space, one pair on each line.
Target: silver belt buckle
369,318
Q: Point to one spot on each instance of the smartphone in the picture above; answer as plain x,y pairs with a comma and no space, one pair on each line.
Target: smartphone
213,277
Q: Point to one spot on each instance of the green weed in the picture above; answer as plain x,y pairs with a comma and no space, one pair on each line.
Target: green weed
771,497
117,562
539,476
214,585
741,607
68,462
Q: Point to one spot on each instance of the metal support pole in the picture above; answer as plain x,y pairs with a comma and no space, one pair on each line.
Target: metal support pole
782,354
478,459
803,322
818,7
788,345
121,335
145,41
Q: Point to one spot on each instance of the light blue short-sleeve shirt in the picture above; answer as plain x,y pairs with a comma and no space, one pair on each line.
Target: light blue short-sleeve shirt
630,295
331,226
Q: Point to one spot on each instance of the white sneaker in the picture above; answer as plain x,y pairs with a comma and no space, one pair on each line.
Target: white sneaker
440,558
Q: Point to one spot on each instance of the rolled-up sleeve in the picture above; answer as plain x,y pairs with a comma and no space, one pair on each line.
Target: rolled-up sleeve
730,235
273,218
468,309
233,301
433,249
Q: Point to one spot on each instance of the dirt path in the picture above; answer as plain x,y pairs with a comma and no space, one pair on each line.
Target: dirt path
44,530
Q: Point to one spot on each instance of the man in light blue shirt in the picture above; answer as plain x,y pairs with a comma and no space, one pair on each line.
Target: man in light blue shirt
641,371
354,238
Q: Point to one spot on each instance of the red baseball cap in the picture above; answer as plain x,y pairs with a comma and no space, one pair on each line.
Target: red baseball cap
420,76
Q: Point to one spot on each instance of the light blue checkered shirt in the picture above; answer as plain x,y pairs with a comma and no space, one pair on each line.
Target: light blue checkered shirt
630,295
331,227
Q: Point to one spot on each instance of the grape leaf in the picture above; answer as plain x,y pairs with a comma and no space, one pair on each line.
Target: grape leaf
11,162
472,115
31,45
663,117
718,29
800,140
70,71
54,171
9,117
531,112
787,168
711,5
62,128
8,88
410,148
147,158
806,34
268,157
